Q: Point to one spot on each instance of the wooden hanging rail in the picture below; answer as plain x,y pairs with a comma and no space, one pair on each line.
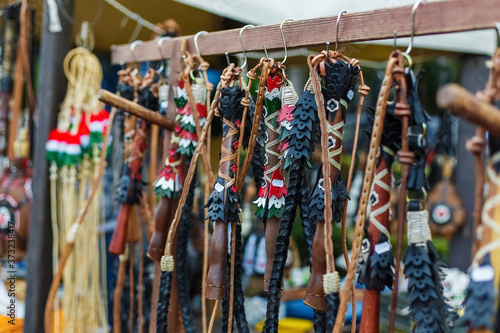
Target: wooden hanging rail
431,18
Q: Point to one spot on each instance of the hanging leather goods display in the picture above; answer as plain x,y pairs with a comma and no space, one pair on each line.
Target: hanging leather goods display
339,78
167,261
197,89
394,71
422,265
481,303
376,264
302,121
271,195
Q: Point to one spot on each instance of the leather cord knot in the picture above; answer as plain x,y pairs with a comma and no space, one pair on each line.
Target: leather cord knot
252,75
402,110
406,157
398,70
245,102
363,89
204,66
476,145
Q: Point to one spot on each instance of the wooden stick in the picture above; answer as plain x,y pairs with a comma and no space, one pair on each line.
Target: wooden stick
125,105
431,18
465,105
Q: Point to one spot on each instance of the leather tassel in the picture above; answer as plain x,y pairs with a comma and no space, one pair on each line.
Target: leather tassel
427,307
381,265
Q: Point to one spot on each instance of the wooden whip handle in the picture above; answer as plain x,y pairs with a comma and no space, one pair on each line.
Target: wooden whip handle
271,235
216,278
119,237
465,105
163,218
123,104
315,294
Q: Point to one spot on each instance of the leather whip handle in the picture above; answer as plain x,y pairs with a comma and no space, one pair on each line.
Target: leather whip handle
365,191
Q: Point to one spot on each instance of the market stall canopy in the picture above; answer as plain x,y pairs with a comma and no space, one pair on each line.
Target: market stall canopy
263,12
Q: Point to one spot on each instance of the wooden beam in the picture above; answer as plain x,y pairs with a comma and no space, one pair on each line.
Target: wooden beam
122,104
52,88
430,18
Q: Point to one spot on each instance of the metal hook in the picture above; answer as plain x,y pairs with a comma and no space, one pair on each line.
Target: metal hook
395,40
337,32
196,40
498,29
265,51
227,59
132,49
243,47
413,10
328,51
283,37
162,59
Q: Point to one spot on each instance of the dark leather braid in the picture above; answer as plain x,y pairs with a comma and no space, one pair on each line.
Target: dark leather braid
305,210
239,298
283,240
163,301
224,321
332,306
181,262
319,322
309,229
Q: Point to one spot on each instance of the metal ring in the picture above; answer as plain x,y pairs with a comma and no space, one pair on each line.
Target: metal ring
283,37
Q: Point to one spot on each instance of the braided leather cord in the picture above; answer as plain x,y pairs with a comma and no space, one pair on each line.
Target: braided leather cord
332,305
224,320
163,301
319,322
181,262
283,240
308,225
239,298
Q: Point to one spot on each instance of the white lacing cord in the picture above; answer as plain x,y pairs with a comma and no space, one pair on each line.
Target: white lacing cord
487,220
334,130
268,173
418,228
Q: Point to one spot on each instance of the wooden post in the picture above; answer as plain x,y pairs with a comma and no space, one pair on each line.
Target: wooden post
54,47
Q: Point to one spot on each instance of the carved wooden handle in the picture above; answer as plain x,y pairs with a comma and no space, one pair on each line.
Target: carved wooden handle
315,294
123,104
163,219
119,237
216,278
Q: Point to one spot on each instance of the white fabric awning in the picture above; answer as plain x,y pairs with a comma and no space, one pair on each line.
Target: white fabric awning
264,12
